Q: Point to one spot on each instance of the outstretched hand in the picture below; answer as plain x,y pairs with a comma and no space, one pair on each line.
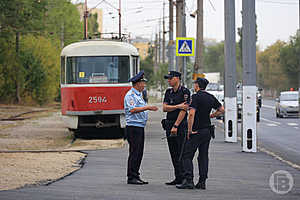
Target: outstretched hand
183,106
153,108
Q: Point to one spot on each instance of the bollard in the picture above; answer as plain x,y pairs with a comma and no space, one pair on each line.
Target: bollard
249,119
230,121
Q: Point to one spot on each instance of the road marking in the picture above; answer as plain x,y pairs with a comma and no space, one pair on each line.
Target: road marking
270,121
278,157
266,106
296,127
262,149
292,124
272,125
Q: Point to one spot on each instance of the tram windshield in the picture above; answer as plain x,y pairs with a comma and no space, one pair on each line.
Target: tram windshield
98,69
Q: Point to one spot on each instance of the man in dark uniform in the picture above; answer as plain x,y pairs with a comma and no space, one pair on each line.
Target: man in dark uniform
136,113
199,134
176,104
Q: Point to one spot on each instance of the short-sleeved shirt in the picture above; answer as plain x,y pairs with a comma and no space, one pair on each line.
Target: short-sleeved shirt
173,98
133,99
203,102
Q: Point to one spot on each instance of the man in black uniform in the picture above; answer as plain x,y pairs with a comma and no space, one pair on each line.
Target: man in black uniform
176,105
199,134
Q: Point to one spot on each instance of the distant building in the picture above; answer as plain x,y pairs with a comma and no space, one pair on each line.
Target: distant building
142,45
99,12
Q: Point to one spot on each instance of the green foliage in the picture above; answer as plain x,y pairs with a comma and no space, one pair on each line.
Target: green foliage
290,60
63,22
22,16
29,69
148,66
40,61
214,58
93,24
8,71
158,79
270,71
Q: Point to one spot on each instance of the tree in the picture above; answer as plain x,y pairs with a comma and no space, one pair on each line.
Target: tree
270,71
20,17
214,58
93,25
40,61
63,22
55,23
290,61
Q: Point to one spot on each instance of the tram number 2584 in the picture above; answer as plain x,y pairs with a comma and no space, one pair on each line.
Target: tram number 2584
97,99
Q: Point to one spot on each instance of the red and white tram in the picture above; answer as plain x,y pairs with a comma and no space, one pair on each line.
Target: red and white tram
94,81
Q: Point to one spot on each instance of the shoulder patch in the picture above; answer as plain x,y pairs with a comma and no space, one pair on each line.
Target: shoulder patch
131,102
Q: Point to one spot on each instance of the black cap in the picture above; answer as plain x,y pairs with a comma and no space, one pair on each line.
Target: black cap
202,82
137,78
172,74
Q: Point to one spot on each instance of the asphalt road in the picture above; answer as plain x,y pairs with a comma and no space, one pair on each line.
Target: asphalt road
279,135
232,174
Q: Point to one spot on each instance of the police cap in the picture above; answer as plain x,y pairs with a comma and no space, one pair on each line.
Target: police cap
202,82
137,78
172,74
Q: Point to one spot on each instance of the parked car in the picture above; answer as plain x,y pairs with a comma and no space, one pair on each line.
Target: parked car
287,105
239,101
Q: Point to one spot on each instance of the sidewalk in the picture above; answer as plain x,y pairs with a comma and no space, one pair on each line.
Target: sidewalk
232,174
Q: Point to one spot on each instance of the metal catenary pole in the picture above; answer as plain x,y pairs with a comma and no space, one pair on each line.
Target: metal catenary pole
249,139
299,65
164,38
230,73
179,31
198,67
120,31
85,16
171,40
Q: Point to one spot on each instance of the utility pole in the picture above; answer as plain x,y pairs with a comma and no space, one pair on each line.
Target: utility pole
184,35
159,43
179,31
164,38
230,73
85,24
156,54
171,40
249,139
198,67
299,66
120,34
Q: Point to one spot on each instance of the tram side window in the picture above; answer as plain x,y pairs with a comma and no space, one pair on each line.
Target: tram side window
62,70
135,65
71,70
124,69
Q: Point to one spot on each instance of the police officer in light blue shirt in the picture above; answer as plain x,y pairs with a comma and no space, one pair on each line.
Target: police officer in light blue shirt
136,113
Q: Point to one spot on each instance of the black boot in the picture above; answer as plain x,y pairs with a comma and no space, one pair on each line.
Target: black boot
201,185
186,184
174,182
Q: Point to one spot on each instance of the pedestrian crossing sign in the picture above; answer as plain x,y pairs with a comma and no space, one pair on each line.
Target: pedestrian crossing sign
185,46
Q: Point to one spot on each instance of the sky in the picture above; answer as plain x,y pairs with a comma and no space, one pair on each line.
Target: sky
276,19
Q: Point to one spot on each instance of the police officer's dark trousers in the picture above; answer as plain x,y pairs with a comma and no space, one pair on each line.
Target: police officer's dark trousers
135,138
201,142
175,146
